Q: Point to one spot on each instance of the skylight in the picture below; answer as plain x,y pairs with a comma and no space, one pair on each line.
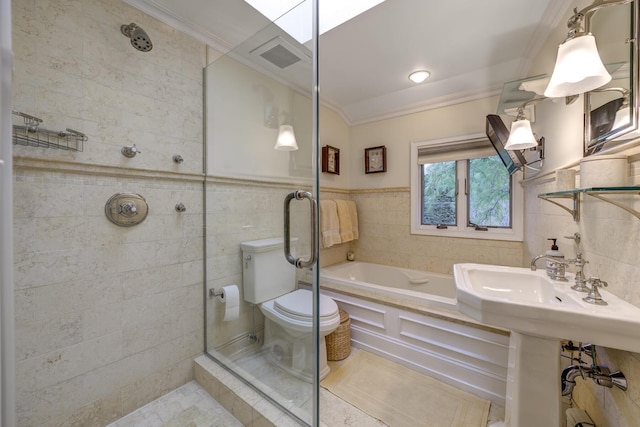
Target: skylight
294,16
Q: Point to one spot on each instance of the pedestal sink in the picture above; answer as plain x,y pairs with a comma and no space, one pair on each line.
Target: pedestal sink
540,312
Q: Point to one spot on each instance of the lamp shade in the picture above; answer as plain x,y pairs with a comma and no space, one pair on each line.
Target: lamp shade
286,139
521,136
578,68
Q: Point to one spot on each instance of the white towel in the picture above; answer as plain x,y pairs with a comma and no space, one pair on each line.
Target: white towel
344,219
329,224
353,211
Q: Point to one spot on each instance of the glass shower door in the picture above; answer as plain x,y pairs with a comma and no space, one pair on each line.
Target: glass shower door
260,159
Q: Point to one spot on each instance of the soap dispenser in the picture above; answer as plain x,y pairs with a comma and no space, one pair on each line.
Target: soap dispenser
554,252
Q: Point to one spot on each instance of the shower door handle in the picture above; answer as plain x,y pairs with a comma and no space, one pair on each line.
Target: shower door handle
298,262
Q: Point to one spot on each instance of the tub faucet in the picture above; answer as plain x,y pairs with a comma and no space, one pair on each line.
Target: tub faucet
557,267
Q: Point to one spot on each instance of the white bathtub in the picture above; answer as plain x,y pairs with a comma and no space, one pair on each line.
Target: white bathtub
431,289
411,317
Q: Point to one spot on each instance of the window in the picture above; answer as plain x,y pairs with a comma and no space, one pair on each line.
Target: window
460,188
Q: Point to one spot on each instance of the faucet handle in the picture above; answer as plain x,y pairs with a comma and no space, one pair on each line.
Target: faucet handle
595,282
575,237
594,296
579,261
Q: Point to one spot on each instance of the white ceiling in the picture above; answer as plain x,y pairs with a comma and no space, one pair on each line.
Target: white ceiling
471,48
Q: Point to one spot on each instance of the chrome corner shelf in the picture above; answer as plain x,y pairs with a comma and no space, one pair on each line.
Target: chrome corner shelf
30,134
600,193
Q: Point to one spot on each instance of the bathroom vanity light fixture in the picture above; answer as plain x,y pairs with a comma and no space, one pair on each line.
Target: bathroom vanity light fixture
578,66
286,139
419,76
521,136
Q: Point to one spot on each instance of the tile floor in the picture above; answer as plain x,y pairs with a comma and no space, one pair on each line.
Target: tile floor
191,406
186,406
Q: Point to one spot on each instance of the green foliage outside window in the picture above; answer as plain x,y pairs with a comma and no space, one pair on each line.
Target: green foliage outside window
489,198
439,193
488,201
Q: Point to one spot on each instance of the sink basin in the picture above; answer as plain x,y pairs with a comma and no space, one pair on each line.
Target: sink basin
540,312
529,302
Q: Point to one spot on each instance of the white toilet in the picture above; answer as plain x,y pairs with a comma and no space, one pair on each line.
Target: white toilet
269,281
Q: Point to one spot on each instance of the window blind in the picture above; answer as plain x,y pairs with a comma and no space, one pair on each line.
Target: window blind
456,150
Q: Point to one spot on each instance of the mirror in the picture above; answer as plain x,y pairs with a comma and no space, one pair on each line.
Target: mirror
610,112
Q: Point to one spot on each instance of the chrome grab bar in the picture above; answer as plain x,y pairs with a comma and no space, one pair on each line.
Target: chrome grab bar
298,262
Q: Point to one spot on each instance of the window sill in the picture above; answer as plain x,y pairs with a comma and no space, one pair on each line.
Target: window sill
470,233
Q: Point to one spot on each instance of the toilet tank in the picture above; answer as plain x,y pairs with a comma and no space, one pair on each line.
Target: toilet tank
266,273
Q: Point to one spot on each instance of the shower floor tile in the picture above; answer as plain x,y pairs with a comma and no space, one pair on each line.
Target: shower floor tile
186,406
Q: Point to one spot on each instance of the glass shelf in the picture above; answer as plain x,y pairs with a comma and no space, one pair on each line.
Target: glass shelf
600,193
574,195
513,96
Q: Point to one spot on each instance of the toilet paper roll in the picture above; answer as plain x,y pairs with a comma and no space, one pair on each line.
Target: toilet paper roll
231,299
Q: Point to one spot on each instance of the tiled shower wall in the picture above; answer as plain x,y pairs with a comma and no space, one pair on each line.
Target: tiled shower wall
108,318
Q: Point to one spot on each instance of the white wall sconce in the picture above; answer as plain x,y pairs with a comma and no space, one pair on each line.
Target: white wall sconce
286,139
579,68
522,138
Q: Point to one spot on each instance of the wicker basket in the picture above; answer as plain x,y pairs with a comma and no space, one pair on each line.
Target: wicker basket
339,341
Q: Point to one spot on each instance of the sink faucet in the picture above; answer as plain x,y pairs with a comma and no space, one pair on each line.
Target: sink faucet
557,267
581,282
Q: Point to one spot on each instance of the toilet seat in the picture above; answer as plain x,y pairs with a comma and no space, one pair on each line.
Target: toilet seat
299,305
294,311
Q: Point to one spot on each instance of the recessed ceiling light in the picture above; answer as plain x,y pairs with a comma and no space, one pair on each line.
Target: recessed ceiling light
419,76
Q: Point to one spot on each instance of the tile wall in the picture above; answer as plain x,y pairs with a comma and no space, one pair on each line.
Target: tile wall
108,318
385,237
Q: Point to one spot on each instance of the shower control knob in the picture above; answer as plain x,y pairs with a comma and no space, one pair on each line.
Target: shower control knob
181,207
177,158
128,209
130,151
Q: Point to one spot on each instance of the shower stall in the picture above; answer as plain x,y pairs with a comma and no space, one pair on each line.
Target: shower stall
110,317
256,94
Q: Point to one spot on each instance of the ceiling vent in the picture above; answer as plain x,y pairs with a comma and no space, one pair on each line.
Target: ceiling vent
280,53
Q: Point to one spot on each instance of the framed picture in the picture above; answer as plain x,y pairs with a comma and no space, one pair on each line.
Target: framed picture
331,159
375,159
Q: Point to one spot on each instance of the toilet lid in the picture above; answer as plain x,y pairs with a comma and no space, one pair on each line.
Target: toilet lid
300,304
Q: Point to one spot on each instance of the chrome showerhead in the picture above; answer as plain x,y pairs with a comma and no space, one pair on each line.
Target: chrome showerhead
139,38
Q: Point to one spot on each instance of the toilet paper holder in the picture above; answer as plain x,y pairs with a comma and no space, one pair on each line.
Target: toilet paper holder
214,293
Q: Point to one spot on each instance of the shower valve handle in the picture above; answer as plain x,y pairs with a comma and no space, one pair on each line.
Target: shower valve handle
130,151
128,209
